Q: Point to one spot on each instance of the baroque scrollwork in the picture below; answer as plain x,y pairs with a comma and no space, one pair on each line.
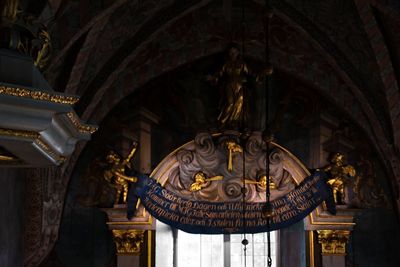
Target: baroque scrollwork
208,170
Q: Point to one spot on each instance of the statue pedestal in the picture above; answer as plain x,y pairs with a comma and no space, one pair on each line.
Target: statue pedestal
133,238
332,234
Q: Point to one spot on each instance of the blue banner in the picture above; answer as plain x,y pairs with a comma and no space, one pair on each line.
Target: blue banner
231,217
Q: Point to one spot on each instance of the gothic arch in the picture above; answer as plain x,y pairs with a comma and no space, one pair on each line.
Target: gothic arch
124,76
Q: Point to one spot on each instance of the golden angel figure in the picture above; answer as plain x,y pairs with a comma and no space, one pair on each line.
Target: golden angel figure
116,175
339,176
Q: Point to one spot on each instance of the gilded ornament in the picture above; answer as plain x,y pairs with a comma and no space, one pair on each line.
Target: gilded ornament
340,174
38,95
82,128
128,241
35,138
232,147
262,182
49,150
27,34
19,133
201,181
333,242
41,54
116,176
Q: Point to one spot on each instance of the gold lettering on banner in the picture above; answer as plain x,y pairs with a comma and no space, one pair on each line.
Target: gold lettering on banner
229,215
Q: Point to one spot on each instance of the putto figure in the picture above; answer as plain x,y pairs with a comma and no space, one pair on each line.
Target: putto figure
116,174
340,174
201,181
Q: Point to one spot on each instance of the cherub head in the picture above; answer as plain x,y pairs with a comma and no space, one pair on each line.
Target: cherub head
338,159
200,177
113,157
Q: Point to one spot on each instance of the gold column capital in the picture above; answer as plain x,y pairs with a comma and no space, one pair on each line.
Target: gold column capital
128,241
333,242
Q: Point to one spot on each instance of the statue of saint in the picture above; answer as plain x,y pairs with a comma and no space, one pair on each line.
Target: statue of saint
232,77
116,174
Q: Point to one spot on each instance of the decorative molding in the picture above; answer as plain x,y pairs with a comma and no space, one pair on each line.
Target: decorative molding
43,145
38,95
82,128
37,140
333,242
19,133
128,241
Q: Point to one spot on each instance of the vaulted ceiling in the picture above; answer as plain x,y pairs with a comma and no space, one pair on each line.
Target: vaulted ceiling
347,50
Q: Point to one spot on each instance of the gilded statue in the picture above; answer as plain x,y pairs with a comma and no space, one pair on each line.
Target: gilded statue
201,181
232,147
27,34
340,174
262,182
232,77
116,174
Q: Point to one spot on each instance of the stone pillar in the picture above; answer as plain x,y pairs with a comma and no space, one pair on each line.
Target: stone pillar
320,132
129,246
142,122
133,238
333,247
328,234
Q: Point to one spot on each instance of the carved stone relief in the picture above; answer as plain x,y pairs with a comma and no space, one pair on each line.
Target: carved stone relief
209,156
